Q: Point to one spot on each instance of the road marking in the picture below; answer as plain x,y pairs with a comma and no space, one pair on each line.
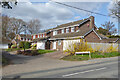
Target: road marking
84,72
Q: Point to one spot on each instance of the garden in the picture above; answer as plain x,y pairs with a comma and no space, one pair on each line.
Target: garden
26,48
110,51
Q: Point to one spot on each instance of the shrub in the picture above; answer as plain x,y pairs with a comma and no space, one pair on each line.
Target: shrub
22,43
13,46
111,48
34,46
78,47
27,45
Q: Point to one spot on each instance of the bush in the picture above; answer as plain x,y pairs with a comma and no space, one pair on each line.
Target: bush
34,46
22,43
78,47
27,45
13,46
28,52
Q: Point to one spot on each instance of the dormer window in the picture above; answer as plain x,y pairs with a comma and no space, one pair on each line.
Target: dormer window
62,31
72,29
67,30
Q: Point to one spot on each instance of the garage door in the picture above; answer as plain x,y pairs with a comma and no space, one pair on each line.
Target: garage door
40,45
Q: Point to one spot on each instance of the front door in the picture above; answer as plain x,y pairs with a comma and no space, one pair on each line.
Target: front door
54,45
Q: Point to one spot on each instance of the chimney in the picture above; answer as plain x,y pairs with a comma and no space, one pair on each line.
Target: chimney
91,21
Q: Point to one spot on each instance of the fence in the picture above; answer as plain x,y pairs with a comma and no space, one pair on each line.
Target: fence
96,46
104,46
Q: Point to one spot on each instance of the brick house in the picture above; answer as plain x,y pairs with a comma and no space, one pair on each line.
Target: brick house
21,37
56,38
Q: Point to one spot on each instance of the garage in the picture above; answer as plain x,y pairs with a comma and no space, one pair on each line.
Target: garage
41,45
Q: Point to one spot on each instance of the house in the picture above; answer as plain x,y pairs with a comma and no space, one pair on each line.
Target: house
4,43
21,37
57,38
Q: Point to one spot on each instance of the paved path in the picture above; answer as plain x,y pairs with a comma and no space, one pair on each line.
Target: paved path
24,66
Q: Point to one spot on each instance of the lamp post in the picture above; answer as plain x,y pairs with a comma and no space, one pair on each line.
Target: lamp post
24,36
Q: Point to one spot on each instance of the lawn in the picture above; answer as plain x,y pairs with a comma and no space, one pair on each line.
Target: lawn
34,52
93,56
45,51
13,49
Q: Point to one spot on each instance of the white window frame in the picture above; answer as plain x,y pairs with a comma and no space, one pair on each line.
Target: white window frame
34,37
72,29
38,36
62,31
67,30
59,42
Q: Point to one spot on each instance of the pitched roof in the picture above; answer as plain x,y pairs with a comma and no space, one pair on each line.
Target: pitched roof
72,34
69,24
39,39
110,40
27,36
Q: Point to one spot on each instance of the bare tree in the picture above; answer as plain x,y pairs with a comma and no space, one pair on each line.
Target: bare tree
110,27
5,25
34,26
115,11
16,25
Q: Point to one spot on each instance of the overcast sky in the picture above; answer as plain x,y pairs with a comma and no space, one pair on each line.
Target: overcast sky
52,14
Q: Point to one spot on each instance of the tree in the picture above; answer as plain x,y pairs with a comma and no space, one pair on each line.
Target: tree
110,27
17,25
5,25
11,35
116,9
103,31
34,26
8,3
11,27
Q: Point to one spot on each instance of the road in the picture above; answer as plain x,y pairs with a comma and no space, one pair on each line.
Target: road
44,66
104,69
107,69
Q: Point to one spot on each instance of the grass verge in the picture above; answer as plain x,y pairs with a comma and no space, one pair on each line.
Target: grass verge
45,51
93,56
13,49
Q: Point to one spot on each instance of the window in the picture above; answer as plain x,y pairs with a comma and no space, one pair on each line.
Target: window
54,33
38,36
62,30
59,42
72,29
67,30
33,36
43,35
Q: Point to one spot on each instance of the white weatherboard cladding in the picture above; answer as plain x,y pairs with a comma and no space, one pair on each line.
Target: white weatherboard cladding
67,43
3,46
54,45
40,45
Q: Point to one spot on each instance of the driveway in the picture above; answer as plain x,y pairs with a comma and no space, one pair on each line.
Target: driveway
22,65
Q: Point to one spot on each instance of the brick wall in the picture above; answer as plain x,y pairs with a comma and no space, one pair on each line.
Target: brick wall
64,30
59,47
51,45
85,26
92,37
69,29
